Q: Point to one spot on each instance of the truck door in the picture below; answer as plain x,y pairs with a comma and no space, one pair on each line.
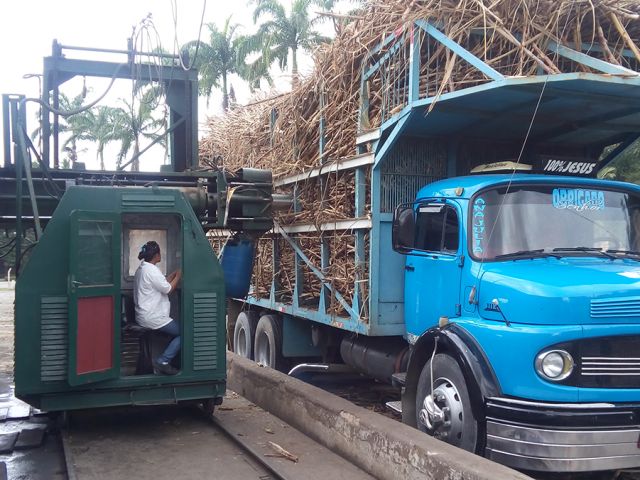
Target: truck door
94,297
433,267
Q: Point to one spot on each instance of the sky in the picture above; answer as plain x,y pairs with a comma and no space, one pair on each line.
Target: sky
30,26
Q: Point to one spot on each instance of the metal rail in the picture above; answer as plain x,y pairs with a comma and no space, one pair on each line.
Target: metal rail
247,448
71,470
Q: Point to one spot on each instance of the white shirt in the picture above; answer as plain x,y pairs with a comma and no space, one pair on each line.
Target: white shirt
150,295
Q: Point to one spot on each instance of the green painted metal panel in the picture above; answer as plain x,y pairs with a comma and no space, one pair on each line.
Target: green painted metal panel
151,395
54,339
145,201
46,277
205,331
94,273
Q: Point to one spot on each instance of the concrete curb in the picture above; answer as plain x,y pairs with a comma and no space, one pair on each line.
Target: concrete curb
379,445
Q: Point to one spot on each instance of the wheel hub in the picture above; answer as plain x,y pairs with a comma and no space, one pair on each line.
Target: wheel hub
263,350
241,348
442,412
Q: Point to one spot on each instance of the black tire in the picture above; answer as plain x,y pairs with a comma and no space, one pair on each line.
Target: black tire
61,420
209,406
451,389
267,346
244,334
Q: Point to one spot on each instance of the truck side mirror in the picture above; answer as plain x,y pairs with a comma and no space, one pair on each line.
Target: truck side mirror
403,233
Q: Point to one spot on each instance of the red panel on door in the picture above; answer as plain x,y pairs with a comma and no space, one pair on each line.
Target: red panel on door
95,334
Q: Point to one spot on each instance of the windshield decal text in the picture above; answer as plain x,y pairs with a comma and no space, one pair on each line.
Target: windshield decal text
478,224
578,199
565,166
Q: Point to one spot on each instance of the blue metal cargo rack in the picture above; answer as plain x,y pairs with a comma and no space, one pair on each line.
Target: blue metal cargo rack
429,131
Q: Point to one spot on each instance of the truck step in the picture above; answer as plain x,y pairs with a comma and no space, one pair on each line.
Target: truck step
395,407
398,379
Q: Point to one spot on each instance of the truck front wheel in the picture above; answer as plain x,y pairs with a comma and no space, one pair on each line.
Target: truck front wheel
443,409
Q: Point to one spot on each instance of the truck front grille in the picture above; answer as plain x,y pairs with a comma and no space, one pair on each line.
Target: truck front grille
614,366
626,307
610,362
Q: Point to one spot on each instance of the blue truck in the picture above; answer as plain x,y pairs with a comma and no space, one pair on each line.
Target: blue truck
497,279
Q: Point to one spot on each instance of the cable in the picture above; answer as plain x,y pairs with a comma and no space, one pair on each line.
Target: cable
147,34
524,143
504,197
18,261
45,170
9,243
68,113
174,11
5,254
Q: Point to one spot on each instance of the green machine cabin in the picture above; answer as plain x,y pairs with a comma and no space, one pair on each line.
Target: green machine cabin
77,234
73,333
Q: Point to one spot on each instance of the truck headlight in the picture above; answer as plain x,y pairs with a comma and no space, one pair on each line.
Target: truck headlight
554,365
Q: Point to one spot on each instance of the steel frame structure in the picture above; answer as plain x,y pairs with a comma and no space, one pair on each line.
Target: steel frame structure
28,195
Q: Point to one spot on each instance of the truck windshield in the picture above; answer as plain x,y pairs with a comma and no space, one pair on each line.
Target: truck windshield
533,221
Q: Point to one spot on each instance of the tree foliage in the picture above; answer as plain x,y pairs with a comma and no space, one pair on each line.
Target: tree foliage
625,167
221,57
281,33
126,125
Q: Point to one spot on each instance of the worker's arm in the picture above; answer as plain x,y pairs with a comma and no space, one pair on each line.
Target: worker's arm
174,279
162,283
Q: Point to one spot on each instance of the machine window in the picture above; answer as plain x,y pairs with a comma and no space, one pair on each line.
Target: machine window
137,238
437,229
95,264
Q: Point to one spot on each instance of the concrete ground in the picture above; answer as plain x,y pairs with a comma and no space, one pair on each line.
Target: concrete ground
171,442
156,444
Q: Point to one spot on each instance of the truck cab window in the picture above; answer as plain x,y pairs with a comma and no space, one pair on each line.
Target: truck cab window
556,217
437,229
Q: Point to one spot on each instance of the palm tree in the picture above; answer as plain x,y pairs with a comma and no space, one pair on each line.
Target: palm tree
280,33
104,130
220,58
79,126
339,21
132,123
105,124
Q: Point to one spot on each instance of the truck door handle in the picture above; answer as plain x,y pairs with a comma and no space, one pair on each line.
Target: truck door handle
409,268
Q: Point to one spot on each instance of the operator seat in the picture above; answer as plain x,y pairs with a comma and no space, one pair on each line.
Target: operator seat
144,364
151,342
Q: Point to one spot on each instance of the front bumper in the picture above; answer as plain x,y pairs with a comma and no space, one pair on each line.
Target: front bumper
563,437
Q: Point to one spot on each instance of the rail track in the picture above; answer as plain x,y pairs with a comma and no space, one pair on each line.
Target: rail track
185,418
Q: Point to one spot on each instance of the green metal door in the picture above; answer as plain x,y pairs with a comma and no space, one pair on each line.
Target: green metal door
94,297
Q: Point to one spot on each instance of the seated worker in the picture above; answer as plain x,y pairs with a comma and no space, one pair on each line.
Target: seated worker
151,297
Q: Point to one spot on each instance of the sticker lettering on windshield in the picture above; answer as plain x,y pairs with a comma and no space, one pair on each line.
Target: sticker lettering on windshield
478,225
578,199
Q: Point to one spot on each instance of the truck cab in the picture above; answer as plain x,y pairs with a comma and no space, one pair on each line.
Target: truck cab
522,306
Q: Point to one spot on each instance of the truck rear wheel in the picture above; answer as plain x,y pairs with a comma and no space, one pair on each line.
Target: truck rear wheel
268,343
244,334
446,414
